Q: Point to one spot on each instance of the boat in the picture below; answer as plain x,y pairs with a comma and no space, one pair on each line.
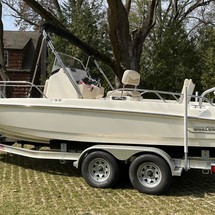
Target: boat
75,108
102,132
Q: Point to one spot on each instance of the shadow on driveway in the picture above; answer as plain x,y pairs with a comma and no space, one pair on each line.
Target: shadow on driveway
42,165
191,183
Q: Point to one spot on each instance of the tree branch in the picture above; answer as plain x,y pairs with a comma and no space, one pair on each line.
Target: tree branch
139,35
128,6
20,15
119,35
57,6
59,27
176,10
205,22
167,10
44,13
150,18
197,4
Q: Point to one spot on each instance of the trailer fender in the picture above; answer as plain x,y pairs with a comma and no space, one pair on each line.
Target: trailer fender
124,153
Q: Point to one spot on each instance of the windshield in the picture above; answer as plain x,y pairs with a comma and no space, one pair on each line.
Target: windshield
75,68
69,61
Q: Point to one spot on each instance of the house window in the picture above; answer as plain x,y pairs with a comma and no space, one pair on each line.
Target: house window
6,57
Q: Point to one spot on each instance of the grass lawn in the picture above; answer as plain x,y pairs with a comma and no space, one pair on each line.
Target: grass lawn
30,186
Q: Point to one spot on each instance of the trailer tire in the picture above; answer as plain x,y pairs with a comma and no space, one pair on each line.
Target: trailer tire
100,169
150,174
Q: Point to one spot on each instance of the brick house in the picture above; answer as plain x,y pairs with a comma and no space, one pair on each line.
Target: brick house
21,49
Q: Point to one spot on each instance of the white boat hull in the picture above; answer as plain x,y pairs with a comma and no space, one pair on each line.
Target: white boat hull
106,121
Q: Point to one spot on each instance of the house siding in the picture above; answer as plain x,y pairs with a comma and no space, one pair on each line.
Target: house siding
22,49
15,59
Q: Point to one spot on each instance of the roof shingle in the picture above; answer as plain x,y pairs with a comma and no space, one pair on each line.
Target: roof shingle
19,39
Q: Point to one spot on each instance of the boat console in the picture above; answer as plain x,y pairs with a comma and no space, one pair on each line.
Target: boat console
59,86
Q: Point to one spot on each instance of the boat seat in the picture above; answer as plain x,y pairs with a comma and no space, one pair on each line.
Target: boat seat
190,88
131,78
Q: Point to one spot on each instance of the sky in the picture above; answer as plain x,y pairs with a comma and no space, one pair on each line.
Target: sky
8,24
8,20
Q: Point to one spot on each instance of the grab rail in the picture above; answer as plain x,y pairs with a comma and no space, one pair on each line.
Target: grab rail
20,84
161,94
144,91
204,94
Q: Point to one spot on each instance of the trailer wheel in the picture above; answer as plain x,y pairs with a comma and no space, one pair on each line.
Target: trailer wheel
150,174
100,169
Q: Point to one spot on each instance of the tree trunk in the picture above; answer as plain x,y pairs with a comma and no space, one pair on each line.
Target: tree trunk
61,30
140,34
126,46
119,36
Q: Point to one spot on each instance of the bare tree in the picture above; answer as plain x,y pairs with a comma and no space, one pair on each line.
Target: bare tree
127,48
126,43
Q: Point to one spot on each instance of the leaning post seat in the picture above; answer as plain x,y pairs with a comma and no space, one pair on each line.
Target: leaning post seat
131,78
